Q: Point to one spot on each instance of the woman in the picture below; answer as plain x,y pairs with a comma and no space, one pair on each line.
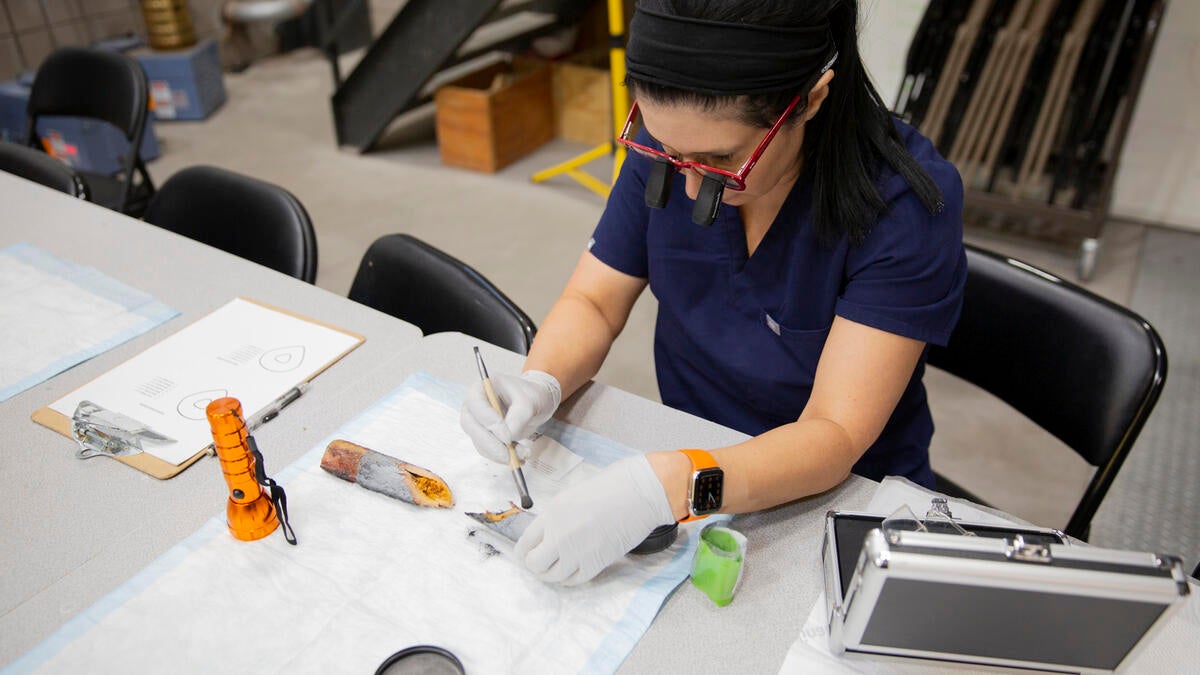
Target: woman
803,246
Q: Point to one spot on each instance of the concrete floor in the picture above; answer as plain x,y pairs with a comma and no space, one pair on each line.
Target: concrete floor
527,237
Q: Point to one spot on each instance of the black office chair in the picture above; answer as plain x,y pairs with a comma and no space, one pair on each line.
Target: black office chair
103,85
247,217
411,280
41,168
1083,368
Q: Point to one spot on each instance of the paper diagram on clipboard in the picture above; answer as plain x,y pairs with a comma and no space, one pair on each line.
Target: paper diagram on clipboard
243,349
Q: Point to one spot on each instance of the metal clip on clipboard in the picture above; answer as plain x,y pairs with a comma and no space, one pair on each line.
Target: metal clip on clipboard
100,431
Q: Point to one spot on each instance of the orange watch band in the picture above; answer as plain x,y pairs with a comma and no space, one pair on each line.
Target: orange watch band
700,459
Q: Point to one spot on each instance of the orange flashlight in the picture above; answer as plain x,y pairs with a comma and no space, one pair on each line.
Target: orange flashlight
250,512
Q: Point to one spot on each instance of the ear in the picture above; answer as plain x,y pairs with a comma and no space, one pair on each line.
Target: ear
817,95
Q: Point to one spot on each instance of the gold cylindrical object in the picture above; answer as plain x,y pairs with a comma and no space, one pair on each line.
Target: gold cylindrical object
168,24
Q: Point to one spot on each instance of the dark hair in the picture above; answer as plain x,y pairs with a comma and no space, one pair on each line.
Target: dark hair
846,143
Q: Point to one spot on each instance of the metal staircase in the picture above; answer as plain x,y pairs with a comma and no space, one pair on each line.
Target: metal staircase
421,46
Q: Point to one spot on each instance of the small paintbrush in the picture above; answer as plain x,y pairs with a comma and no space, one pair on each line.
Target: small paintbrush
514,462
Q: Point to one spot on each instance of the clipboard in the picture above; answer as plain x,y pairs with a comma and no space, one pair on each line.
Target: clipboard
158,467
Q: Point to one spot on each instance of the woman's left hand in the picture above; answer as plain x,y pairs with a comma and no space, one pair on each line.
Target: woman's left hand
588,526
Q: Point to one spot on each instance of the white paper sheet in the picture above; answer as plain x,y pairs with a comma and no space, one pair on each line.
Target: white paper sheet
244,350
55,314
371,575
551,465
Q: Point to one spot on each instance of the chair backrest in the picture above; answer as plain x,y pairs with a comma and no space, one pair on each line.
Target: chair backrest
41,168
411,280
96,83
99,84
1085,369
247,217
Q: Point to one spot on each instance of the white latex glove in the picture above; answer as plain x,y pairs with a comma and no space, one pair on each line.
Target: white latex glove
590,525
528,401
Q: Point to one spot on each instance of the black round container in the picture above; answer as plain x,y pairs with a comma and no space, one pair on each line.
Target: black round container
421,660
659,539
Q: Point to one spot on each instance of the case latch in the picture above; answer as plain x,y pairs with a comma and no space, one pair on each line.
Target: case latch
1025,552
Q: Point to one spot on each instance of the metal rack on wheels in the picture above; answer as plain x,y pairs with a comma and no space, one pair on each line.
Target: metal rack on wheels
1032,100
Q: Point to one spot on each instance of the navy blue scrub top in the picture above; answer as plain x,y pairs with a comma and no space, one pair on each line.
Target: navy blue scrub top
738,337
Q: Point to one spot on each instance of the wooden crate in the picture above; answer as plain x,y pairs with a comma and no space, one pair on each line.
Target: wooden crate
583,99
494,116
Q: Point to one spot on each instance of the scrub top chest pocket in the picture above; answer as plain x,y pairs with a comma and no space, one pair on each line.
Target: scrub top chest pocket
745,321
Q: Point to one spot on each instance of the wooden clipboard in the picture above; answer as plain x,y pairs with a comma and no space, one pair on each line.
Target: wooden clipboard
160,468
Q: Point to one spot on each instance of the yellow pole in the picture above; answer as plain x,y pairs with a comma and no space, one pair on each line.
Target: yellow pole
616,68
620,108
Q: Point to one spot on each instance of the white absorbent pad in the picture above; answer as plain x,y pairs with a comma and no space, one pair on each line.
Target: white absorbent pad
372,575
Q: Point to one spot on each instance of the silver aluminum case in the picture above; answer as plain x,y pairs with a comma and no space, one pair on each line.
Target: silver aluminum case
973,569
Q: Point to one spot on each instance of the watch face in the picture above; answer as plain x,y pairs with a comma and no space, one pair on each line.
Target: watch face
707,486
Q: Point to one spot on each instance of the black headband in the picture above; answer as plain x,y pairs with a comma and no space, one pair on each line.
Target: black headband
713,57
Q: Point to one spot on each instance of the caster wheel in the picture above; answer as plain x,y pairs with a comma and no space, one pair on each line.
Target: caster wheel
1088,251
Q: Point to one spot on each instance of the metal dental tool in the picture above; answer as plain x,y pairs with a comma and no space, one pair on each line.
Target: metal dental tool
514,462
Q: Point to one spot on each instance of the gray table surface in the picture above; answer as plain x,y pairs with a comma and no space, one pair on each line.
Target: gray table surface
74,530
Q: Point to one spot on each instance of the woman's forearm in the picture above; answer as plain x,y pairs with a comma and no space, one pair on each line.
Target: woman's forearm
572,342
779,466
861,375
579,330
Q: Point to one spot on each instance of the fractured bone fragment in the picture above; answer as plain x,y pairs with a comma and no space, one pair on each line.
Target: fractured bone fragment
386,475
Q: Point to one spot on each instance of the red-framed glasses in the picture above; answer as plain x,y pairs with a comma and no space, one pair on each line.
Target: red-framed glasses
733,180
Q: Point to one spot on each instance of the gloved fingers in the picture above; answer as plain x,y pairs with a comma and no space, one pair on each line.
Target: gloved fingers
507,388
485,442
525,404
542,557
477,405
593,523
581,576
519,417
524,449
529,540
559,572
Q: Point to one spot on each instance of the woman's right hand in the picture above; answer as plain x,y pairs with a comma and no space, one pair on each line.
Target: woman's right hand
528,401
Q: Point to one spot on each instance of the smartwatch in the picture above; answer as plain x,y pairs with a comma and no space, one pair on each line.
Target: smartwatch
706,487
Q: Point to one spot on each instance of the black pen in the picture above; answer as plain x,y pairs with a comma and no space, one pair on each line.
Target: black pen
272,410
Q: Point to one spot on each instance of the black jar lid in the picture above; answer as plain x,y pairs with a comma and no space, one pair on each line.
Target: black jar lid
421,660
659,539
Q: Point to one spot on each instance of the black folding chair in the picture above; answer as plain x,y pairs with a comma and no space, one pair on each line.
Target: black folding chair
1084,369
247,217
41,168
411,280
107,86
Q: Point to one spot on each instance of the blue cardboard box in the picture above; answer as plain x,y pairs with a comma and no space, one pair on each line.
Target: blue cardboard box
85,144
185,84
